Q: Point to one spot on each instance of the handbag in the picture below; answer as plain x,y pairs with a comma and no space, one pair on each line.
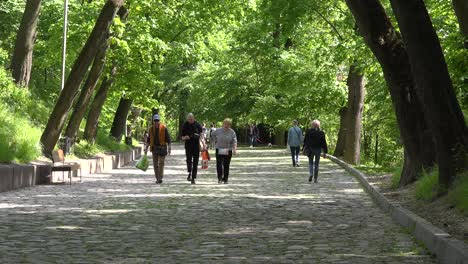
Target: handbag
223,151
306,151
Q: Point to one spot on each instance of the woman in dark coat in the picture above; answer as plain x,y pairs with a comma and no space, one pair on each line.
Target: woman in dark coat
314,143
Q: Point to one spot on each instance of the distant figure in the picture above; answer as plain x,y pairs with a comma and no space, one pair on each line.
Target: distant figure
295,139
192,134
212,129
226,145
253,135
145,139
314,142
159,142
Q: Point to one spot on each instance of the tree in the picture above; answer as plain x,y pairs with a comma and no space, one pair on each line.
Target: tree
58,116
341,142
434,87
86,93
21,62
352,151
96,106
461,11
385,42
119,124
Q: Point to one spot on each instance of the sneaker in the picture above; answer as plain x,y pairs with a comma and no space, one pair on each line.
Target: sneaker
189,177
220,182
193,181
225,182
310,179
297,165
315,181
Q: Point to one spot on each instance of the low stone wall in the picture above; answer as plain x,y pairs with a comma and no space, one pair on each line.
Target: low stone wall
13,176
447,249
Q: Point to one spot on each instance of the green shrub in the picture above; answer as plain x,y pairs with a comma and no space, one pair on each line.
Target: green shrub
19,140
108,143
396,177
85,150
20,100
458,195
427,187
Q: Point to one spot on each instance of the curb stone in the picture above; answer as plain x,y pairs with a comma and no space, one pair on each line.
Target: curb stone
447,249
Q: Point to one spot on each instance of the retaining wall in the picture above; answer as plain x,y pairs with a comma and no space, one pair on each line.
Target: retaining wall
13,176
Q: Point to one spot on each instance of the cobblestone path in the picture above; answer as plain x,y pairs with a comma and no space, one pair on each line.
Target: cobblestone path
268,213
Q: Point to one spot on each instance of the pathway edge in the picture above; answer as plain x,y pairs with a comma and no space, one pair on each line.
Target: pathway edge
447,249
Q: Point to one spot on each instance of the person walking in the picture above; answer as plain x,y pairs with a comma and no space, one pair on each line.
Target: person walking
192,134
253,134
295,139
314,142
226,145
212,129
159,142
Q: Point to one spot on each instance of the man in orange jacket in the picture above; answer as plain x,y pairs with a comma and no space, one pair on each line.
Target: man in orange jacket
159,142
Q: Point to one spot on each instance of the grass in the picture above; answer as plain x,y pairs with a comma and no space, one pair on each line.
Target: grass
19,140
427,187
458,195
395,182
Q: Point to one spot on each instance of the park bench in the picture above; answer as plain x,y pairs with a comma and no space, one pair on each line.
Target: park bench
59,164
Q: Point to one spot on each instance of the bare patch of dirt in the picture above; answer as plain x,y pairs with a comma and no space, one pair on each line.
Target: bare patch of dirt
439,212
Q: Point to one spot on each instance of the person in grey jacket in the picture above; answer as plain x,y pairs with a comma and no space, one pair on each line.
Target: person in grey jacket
295,139
226,144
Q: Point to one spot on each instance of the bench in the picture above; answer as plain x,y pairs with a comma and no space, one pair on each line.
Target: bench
59,164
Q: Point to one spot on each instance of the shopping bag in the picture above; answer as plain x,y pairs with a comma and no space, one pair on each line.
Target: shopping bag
143,163
205,159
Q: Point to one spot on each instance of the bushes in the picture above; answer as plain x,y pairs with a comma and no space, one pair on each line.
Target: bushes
107,143
19,140
86,150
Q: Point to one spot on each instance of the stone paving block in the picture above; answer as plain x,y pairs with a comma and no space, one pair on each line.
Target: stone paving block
268,213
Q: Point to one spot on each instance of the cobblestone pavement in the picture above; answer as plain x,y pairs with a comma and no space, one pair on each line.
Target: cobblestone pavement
268,213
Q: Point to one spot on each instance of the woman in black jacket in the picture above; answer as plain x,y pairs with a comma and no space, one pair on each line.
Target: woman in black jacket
314,142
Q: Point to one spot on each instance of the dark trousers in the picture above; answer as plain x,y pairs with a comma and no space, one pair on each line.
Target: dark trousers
314,160
295,154
222,166
192,154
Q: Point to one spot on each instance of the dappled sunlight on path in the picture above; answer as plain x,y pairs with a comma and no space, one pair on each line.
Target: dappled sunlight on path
267,213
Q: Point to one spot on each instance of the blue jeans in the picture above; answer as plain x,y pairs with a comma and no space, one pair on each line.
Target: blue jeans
314,160
295,154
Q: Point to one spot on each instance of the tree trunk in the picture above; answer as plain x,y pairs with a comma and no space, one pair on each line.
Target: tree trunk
96,107
21,62
119,124
461,11
86,92
67,96
135,113
433,87
341,142
386,44
352,151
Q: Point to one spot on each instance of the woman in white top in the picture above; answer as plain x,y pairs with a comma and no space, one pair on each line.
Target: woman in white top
226,145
